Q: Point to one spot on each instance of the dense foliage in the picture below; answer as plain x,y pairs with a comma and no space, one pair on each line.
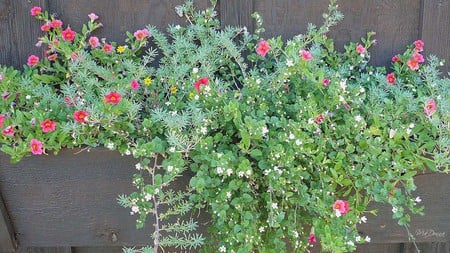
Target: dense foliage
287,142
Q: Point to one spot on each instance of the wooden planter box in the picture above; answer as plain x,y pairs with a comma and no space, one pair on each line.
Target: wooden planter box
69,200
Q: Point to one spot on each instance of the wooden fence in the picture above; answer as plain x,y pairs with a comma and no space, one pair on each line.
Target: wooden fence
37,216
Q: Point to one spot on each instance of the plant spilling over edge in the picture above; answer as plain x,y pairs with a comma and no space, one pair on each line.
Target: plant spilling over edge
288,143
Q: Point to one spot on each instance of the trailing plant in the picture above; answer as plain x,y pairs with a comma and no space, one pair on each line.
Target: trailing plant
284,143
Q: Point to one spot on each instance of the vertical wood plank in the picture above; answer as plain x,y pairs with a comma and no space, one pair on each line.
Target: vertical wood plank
97,250
46,250
435,30
7,239
378,248
237,13
19,31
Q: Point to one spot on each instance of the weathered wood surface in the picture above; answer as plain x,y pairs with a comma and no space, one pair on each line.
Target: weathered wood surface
7,239
397,23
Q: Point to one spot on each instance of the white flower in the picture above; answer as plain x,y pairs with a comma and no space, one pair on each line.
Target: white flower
411,125
195,70
362,90
110,146
358,118
274,205
172,149
168,103
291,136
298,142
289,63
148,197
203,130
28,97
392,133
228,194
363,219
358,238
222,249
343,84
350,243
240,174
229,172
265,130
418,199
138,166
261,229
219,170
258,81
394,209
135,209
248,173
169,168
207,88
408,131
367,239
177,27
127,152
341,98
338,213
196,97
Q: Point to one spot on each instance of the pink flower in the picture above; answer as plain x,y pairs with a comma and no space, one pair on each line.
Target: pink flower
312,239
68,34
135,85
347,106
36,147
418,45
33,60
418,57
48,126
141,34
80,116
5,95
319,119
93,17
9,131
306,55
56,24
390,78
113,98
341,207
200,82
36,10
107,48
1,78
396,58
2,119
52,57
46,27
69,101
430,107
360,49
94,42
413,64
326,81
263,48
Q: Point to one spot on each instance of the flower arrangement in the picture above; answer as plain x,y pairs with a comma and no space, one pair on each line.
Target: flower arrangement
287,143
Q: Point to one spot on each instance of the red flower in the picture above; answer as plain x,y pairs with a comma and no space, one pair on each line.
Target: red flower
8,131
306,55
413,64
80,116
319,119
418,57
341,207
390,78
360,49
326,81
36,147
48,126
263,48
200,82
68,34
113,98
33,60
107,48
36,10
94,42
52,57
141,34
418,45
2,118
135,85
56,24
46,27
396,58
312,239
430,107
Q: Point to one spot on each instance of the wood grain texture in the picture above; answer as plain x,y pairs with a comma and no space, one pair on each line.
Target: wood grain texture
46,250
19,31
7,239
379,248
70,200
237,13
97,250
435,30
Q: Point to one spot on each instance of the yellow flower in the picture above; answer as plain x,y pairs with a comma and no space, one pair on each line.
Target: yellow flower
147,81
191,95
173,90
120,49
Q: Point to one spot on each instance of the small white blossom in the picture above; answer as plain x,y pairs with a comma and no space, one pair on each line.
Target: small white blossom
291,136
265,130
134,209
338,213
219,170
228,194
261,229
392,133
27,97
363,219
110,146
362,90
229,172
169,168
258,81
248,173
394,209
196,97
138,166
350,243
418,199
358,238
289,63
240,174
168,103
367,239
343,84
207,88
203,130
195,70
411,125
127,152
274,205
177,27
148,197
222,249
358,118
298,142
172,149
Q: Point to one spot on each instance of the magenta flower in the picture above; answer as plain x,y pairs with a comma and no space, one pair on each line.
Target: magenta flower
360,49
326,81
94,42
390,78
52,57
36,10
46,27
418,45
396,58
33,60
48,126
263,48
341,207
135,85
9,131
36,147
430,107
413,64
2,119
306,55
418,57
200,82
312,239
141,34
319,119
93,17
80,116
113,98
107,48
56,24
68,34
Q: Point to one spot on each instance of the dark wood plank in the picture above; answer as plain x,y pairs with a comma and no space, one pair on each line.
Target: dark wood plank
435,33
431,247
7,240
97,250
46,250
434,226
19,31
378,248
237,13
